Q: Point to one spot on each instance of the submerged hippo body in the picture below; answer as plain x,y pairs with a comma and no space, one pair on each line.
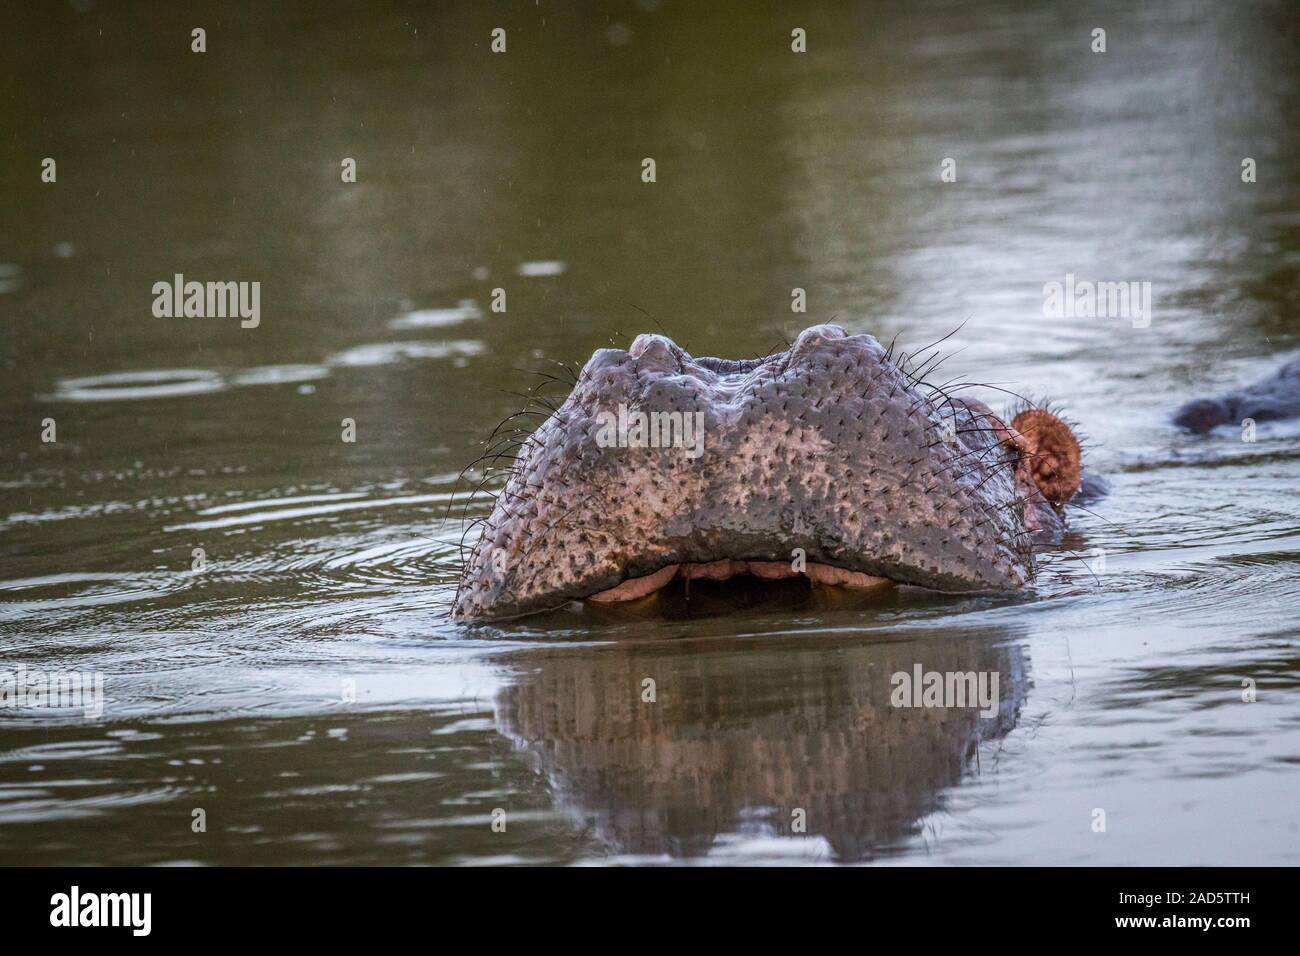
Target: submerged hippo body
825,460
1270,399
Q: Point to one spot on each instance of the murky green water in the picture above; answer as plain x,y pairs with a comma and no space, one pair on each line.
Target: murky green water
306,689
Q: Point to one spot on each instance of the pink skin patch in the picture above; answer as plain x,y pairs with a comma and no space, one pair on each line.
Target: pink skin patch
634,588
721,570
840,578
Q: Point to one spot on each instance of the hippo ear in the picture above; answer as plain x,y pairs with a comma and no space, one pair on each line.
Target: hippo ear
1050,456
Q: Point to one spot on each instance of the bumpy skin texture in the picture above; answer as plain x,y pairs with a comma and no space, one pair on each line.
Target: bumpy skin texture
1277,396
828,447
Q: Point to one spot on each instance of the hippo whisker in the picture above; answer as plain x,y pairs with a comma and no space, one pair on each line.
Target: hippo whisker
939,341
922,383
533,399
506,421
550,379
995,387
889,352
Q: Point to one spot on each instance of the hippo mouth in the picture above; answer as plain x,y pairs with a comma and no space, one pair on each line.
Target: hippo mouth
725,569
828,461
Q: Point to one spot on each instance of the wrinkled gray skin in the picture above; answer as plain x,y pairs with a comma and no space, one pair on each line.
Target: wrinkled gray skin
1277,396
828,447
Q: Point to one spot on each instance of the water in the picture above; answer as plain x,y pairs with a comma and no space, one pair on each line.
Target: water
307,691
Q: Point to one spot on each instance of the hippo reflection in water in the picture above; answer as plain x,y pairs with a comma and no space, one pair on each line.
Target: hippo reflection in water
739,741
828,461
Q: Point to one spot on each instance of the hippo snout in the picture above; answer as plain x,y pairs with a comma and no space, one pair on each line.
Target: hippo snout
827,461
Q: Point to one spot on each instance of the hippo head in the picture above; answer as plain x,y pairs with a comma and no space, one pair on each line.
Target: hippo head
1272,398
827,460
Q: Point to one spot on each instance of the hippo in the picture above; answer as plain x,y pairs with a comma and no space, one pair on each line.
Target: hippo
828,460
1269,399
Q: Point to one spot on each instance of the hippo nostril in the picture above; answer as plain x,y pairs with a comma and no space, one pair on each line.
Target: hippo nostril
655,351
810,340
